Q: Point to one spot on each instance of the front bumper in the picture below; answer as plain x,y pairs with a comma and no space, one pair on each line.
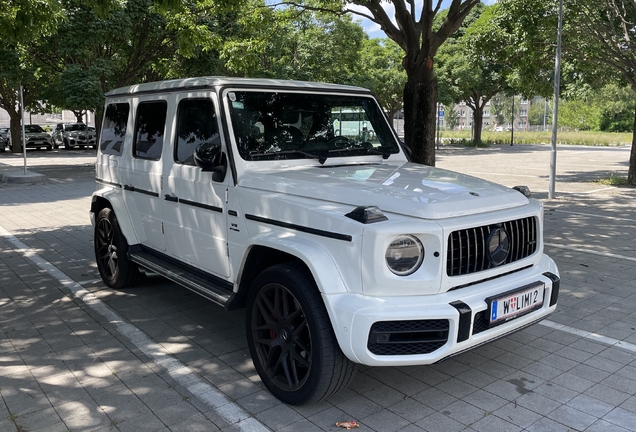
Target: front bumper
464,312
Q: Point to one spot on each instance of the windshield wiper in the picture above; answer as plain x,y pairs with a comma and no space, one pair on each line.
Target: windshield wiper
321,159
366,150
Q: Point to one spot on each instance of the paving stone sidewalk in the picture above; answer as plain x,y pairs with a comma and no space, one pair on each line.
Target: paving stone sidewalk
75,355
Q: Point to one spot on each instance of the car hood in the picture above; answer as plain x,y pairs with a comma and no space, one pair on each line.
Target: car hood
404,188
36,135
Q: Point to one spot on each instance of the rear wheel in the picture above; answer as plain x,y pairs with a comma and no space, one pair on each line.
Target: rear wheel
111,252
290,338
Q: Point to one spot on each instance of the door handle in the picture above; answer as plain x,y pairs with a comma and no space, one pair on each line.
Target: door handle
171,198
129,188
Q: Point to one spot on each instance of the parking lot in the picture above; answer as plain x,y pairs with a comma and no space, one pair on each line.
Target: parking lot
75,355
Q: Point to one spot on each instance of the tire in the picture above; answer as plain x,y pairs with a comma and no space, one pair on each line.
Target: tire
111,252
290,337
66,144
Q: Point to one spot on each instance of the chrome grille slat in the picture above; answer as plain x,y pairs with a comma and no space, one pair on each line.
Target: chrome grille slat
468,252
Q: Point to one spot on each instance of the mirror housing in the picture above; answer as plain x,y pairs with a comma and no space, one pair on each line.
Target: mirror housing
209,157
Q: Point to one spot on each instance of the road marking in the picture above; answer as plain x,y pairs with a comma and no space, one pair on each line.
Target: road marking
228,410
592,215
589,335
589,251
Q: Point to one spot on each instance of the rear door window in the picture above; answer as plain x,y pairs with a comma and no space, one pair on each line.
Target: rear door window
113,128
149,130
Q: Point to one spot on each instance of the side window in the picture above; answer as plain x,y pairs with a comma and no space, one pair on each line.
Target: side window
149,127
196,124
113,128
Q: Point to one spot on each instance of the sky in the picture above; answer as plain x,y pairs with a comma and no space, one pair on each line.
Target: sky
373,30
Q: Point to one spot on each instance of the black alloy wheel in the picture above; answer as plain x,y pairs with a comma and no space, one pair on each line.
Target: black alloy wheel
111,252
290,338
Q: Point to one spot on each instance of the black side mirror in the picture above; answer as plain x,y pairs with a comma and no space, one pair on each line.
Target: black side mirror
209,157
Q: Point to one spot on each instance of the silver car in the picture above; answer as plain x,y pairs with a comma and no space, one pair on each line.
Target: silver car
74,135
5,138
38,138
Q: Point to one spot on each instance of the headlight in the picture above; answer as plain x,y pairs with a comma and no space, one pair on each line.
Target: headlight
404,255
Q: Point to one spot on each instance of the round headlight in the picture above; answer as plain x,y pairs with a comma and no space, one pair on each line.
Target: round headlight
404,255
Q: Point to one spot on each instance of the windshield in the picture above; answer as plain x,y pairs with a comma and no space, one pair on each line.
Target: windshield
76,127
33,129
274,125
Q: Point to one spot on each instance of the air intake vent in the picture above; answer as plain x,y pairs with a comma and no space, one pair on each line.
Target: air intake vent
407,337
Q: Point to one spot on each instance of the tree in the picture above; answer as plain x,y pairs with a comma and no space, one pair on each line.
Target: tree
451,116
413,29
468,74
540,113
86,58
13,73
414,32
381,71
293,43
21,22
602,34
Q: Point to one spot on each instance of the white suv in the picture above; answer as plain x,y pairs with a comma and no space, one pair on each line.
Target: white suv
297,201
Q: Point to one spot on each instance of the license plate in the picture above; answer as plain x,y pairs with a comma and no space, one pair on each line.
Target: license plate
513,304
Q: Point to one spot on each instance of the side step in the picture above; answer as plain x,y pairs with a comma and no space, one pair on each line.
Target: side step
211,287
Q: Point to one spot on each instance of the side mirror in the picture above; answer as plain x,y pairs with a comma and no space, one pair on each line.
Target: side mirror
209,157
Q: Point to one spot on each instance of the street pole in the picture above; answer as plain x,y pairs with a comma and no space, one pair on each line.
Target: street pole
555,113
22,125
512,128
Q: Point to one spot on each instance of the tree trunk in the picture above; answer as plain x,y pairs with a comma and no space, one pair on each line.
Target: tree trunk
420,100
631,173
478,121
15,128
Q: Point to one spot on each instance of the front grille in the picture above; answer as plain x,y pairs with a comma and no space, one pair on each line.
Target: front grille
407,337
468,252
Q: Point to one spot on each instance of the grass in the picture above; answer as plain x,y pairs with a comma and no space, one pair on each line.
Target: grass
614,180
590,138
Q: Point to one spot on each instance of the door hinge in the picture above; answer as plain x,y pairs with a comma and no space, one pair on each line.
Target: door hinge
226,196
227,249
162,231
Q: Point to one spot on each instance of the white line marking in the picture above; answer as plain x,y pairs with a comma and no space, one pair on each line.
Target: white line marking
500,174
596,190
589,335
228,410
592,215
589,251
89,282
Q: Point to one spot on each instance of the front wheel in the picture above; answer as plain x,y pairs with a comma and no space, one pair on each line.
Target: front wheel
290,338
111,252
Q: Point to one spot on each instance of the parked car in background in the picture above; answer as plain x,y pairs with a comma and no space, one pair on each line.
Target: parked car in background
37,138
74,135
5,136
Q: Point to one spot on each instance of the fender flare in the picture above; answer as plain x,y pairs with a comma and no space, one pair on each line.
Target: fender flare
112,198
323,268
325,273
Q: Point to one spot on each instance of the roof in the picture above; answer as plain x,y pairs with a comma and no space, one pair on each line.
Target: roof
211,82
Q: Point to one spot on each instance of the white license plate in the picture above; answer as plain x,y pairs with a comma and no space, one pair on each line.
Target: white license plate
515,303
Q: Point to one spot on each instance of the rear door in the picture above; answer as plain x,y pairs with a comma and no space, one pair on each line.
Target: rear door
143,178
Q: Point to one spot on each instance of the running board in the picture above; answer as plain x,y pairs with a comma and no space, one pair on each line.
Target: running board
193,279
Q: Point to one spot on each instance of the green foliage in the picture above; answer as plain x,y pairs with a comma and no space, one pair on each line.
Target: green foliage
451,116
381,70
587,138
540,112
293,43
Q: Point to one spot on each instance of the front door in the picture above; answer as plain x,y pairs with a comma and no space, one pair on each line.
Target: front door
195,214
